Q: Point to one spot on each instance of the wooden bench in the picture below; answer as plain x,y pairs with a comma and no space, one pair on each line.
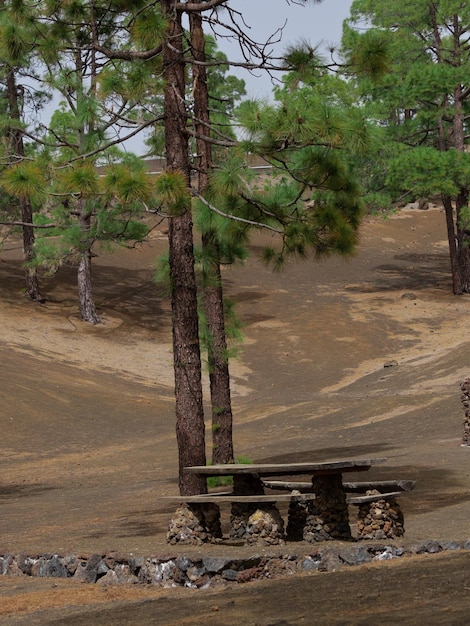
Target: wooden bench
379,516
322,505
253,515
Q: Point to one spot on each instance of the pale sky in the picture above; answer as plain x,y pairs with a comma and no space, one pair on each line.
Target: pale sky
317,23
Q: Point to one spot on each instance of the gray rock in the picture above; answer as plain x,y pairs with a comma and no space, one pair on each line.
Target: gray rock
216,564
330,561
71,563
182,562
429,546
25,563
450,545
135,563
54,568
309,564
120,575
195,572
355,555
89,571
229,574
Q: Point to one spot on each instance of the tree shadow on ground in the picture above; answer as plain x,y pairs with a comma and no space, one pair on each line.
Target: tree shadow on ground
11,492
326,454
409,272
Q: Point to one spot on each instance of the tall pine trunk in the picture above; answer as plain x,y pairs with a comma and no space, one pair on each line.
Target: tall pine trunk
190,427
17,145
219,376
461,201
85,291
457,231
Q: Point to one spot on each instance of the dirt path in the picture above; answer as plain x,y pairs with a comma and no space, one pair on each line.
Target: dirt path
87,413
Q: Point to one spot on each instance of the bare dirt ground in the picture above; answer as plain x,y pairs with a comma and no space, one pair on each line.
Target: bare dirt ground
87,422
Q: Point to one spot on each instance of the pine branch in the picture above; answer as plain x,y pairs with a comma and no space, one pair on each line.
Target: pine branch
235,217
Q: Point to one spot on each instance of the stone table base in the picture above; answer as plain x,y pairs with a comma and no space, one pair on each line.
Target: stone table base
265,527
195,524
328,516
381,519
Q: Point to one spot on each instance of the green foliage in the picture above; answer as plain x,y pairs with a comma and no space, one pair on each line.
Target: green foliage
12,41
171,190
464,220
370,57
24,181
304,63
127,184
425,172
148,28
225,481
80,178
312,139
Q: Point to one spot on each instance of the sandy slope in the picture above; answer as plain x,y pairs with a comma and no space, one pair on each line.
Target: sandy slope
87,412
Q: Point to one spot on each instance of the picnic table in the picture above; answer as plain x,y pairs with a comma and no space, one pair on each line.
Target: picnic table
323,499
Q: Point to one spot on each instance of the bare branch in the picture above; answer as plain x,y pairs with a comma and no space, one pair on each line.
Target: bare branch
28,224
197,7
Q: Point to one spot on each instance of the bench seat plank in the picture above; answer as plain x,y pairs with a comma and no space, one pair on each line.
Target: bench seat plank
267,498
373,497
352,487
230,497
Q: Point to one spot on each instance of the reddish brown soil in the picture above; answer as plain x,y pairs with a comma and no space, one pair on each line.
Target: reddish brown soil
87,422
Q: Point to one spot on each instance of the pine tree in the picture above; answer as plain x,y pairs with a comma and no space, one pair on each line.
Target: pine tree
422,101
16,49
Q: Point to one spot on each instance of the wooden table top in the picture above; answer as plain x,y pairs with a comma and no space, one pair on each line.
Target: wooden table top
284,469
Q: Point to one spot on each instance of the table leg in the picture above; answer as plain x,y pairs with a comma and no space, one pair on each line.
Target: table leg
328,516
254,522
247,485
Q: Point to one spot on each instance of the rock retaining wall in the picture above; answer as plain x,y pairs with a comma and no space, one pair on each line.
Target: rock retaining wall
200,572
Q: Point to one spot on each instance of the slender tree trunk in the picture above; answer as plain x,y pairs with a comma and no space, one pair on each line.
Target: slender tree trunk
190,427
85,291
219,376
463,242
461,201
85,295
453,249
17,145
458,239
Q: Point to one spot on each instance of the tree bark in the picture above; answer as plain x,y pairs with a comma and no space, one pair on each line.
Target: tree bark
85,295
461,201
16,140
457,233
219,375
190,428
453,249
85,291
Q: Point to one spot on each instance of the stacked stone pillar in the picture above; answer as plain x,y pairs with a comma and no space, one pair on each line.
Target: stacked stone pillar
380,519
327,516
195,524
465,398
